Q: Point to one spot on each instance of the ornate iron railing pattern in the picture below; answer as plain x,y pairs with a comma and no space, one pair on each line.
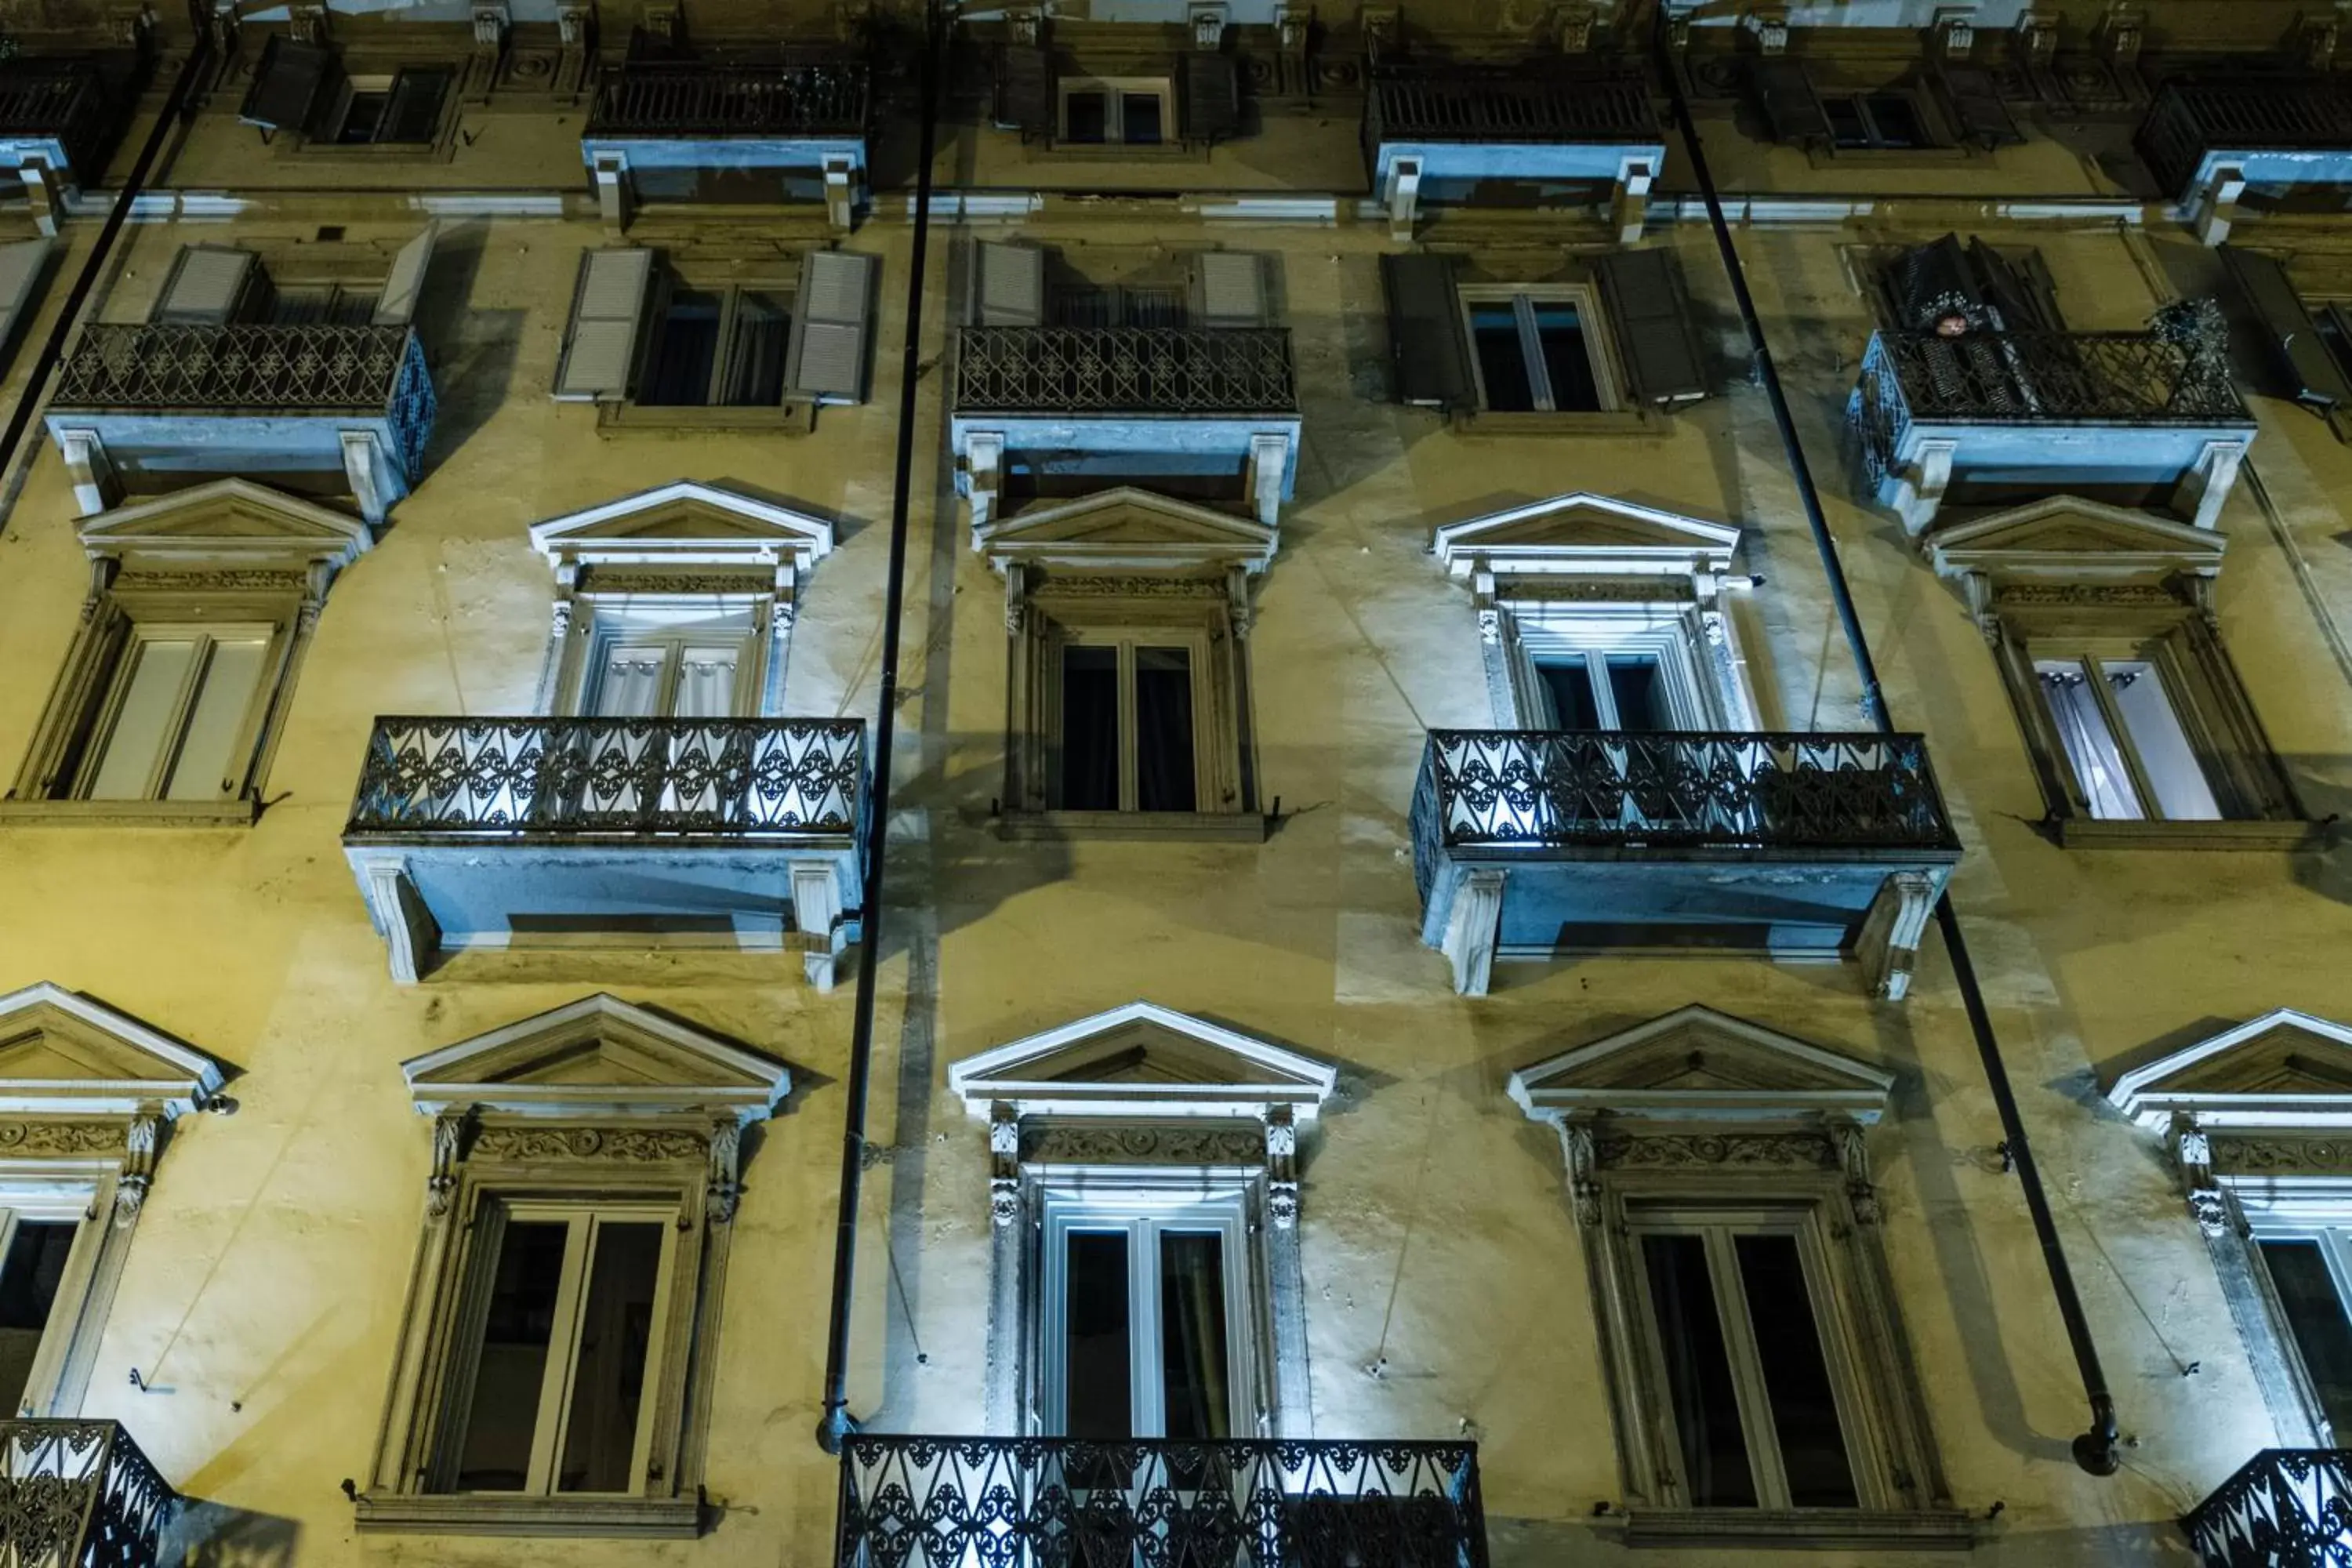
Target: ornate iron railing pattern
2027,378
1124,370
1052,1503
1410,105
2285,1508
65,100
1539,789
729,778
2189,119
827,98
80,1494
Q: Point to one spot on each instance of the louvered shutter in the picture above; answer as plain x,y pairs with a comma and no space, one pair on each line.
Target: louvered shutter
1213,97
1433,364
2312,371
1972,94
1792,108
20,271
827,357
209,286
396,305
608,312
1008,285
1025,90
290,84
1646,304
2021,291
1229,289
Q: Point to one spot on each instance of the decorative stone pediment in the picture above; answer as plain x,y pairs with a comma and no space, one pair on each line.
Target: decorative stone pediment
1585,535
2065,539
1699,1066
63,1055
227,523
598,1059
1126,529
2284,1071
1141,1062
684,525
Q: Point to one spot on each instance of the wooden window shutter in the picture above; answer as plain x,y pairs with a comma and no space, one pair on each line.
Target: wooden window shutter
1212,96
1432,363
2312,371
2022,291
1008,285
608,313
290,85
826,360
1229,289
210,285
1792,108
1973,95
21,262
396,305
1644,291
1025,90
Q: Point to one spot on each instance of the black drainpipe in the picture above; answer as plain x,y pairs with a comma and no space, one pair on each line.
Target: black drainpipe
2094,1449
21,416
836,1423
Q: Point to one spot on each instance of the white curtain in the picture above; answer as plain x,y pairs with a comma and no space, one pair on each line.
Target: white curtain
2090,745
629,684
706,684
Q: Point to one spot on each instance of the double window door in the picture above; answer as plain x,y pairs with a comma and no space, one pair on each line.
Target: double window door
38,1270
2308,1266
679,667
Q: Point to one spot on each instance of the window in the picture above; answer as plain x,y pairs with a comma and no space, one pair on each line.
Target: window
1884,119
36,1245
1127,738
304,88
1146,1322
1131,112
650,655
2309,1270
1641,667
1535,351
403,107
719,348
2123,738
179,719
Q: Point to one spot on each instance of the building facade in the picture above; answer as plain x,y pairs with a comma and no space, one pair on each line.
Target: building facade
1407,1017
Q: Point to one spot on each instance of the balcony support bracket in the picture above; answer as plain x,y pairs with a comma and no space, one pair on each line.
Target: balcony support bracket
983,477
44,191
1632,207
2213,208
2208,485
1889,945
1269,465
374,481
816,910
1402,198
94,485
612,175
411,936
840,196
1920,488
1472,926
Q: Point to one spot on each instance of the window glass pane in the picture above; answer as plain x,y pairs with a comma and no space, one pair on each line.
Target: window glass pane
151,702
415,112
2083,730
359,121
1846,126
629,684
1559,328
1086,117
755,352
1502,361
1796,1377
1151,307
1138,116
208,766
28,1290
2314,1316
2172,770
1096,1358
1192,1363
1640,689
706,684
1715,1470
1569,684
1084,305
1894,119
1090,729
299,307
608,1380
684,350
1163,729
502,1410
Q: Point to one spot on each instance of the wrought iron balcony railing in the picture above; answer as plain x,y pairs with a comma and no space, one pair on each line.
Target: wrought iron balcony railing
2190,118
2026,378
687,101
2285,1508
1613,791
80,1494
950,1502
1124,370
730,779
64,100
1471,105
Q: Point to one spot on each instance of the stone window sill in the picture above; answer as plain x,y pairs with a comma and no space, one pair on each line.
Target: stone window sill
129,813
1608,422
1829,1528
1218,827
664,1518
2090,833
793,418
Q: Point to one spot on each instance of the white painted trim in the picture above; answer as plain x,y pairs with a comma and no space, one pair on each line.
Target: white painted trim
1459,546
1863,1099
1238,539
995,1076
435,1087
316,535
797,537
2140,1093
198,1077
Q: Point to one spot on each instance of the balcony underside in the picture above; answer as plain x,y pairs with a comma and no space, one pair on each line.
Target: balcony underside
748,167
1448,167
303,452
1933,462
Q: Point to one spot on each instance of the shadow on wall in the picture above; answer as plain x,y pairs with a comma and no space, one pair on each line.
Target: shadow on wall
2322,787
214,1535
471,353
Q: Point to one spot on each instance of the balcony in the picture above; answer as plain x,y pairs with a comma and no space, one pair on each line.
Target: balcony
2285,1508
1535,842
497,833
140,405
57,113
2206,141
684,131
947,1502
80,1492
2001,416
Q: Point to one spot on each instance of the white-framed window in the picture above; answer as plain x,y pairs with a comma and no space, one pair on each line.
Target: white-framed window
1129,111
1130,713
2118,716
1538,348
718,345
688,659
2305,1266
180,714
45,1263
1637,667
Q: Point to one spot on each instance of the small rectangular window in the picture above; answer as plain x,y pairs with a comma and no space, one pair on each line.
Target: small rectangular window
1086,117
1628,691
1537,351
1126,736
1874,119
1143,1340
718,348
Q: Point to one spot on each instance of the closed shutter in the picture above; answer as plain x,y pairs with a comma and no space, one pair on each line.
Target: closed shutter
1792,108
827,357
20,271
2312,371
1213,97
290,84
1025,90
1008,285
209,286
608,312
1229,289
1972,94
2022,291
1651,315
1432,366
396,305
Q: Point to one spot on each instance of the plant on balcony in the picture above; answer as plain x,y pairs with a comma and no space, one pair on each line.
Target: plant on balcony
2199,330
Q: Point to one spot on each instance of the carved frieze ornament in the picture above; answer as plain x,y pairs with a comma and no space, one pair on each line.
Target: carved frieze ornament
1004,1164
1281,1167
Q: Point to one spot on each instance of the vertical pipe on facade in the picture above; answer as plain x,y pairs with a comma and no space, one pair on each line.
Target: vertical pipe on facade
835,1423
54,350
2094,1449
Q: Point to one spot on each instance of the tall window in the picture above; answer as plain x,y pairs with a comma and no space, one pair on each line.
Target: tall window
1537,349
35,1244
1595,690
719,348
178,719
2310,1270
1127,738
1145,1314
403,107
2123,739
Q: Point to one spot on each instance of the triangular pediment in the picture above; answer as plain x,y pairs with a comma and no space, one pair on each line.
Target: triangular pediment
227,522
1127,530
2285,1068
1584,533
64,1055
2067,537
598,1059
1698,1065
685,523
1141,1061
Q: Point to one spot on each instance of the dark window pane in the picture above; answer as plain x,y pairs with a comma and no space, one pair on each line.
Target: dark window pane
1698,1374
415,112
755,353
1084,305
1641,695
1095,1358
1086,115
2314,1315
1151,307
685,353
1192,1367
1560,327
1138,116
502,1412
1163,729
608,1381
1895,120
1502,362
1090,729
302,307
1797,1378
361,117
1570,685
28,1290
1847,128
